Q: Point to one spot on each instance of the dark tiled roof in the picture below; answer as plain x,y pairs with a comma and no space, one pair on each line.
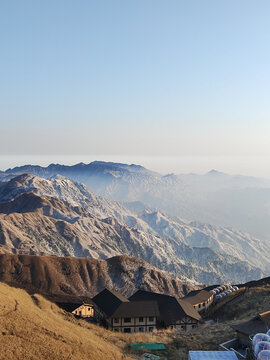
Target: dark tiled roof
137,309
108,301
250,327
170,308
200,297
189,310
118,295
260,323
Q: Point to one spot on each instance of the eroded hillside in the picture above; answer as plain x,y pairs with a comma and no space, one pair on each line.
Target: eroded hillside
52,275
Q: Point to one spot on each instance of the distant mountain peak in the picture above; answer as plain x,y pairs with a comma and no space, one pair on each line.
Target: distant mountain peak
214,172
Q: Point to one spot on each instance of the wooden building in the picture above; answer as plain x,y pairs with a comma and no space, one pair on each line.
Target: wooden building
135,316
123,315
200,300
173,313
85,310
259,324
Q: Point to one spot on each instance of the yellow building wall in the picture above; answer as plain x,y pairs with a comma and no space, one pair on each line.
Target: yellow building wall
84,311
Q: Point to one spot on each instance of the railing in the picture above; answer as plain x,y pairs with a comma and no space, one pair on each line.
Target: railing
233,345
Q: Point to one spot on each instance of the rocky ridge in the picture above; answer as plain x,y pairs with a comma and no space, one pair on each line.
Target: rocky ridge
69,276
215,197
35,223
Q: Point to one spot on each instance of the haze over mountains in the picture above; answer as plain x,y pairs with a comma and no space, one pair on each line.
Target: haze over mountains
216,198
57,216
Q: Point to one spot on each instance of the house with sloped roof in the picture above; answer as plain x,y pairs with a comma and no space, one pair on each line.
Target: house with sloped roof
84,310
173,313
123,315
135,316
244,332
258,324
201,300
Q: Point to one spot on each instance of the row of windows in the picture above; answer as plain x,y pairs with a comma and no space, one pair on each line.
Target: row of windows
79,312
141,329
204,303
128,319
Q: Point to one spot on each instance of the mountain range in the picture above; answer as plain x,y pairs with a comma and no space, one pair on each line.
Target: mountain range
58,216
220,199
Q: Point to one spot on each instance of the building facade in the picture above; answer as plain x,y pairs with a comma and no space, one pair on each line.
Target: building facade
135,316
173,313
201,301
134,324
84,310
187,323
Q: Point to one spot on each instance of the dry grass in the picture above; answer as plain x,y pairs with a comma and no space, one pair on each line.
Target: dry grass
37,329
256,300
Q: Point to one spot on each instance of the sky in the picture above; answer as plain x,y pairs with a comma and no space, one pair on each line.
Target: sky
177,86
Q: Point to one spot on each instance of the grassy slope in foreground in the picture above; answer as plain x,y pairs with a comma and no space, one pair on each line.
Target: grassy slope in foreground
33,328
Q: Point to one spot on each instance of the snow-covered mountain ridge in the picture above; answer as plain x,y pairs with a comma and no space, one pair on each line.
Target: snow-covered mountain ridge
241,202
105,228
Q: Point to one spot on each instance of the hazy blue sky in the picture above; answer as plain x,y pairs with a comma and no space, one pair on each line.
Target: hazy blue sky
145,79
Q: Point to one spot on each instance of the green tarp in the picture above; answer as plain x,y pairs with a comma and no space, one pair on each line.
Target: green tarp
148,346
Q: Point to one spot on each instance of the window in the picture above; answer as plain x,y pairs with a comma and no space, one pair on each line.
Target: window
151,318
193,326
89,309
127,320
141,329
204,304
151,328
127,330
117,330
116,320
140,319
80,313
199,305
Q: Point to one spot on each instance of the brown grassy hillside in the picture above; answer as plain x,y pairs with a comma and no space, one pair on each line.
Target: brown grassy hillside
255,300
33,328
52,275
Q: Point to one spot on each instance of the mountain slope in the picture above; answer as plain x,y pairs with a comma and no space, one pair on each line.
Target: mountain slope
222,240
216,198
46,225
34,328
59,276
54,227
